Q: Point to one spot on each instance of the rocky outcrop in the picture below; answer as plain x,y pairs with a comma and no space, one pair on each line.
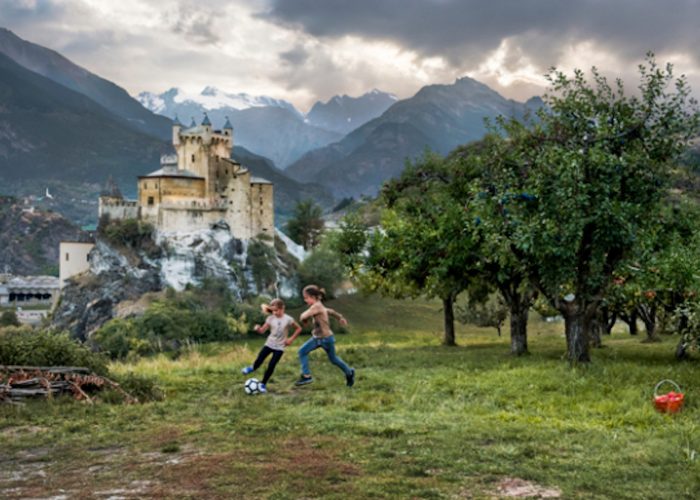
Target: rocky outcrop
119,276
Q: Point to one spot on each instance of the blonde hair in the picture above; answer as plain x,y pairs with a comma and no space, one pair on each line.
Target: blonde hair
276,303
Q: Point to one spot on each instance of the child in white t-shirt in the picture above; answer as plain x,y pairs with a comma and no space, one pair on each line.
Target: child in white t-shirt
278,323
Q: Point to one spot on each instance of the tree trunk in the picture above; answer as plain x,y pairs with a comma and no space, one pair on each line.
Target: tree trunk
576,334
633,323
519,309
594,329
608,319
648,315
681,352
448,307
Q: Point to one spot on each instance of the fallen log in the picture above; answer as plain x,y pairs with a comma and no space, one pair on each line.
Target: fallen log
21,382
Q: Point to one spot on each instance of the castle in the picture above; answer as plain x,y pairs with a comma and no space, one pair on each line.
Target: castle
198,187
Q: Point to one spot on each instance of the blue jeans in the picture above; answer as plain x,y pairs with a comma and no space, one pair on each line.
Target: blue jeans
328,345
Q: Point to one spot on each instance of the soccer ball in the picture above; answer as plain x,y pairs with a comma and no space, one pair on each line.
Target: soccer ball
252,387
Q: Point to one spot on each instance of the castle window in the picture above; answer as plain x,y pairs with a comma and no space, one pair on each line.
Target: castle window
145,185
192,158
150,200
67,257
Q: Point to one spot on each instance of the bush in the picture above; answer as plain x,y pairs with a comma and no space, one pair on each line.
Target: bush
26,346
197,315
130,233
9,318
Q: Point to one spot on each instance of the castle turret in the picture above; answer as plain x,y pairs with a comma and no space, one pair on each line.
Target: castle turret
177,126
206,130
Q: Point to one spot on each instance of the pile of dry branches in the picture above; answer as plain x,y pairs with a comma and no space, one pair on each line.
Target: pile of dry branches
21,382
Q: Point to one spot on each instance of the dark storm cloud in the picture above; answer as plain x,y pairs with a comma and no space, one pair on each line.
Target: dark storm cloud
461,30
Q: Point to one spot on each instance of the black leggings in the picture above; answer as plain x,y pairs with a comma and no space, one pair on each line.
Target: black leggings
264,353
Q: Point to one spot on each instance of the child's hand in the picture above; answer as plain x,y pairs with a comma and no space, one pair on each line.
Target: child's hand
256,328
343,321
288,342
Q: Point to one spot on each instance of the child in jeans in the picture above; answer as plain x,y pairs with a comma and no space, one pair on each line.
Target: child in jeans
278,322
322,336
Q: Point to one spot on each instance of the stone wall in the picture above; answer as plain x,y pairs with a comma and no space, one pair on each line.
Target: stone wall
118,210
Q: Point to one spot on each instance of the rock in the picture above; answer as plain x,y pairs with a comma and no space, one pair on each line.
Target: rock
119,277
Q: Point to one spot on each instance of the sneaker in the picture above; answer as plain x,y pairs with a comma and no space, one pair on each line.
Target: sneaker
262,388
304,380
247,370
350,379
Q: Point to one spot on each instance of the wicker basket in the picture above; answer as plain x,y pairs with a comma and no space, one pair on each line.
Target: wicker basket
670,402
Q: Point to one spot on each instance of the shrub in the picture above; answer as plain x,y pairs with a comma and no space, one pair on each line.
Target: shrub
9,318
167,325
26,346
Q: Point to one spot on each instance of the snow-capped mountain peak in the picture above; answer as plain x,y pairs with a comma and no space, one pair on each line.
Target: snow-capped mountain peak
209,98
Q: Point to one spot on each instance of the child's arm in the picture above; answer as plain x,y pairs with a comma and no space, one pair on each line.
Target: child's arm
261,329
337,316
297,331
311,311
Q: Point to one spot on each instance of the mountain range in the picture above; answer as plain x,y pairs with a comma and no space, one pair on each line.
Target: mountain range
60,122
271,127
57,68
438,117
63,127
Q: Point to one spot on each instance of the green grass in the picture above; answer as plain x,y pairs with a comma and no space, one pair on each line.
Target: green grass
423,421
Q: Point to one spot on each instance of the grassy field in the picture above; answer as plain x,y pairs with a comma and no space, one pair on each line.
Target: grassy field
423,421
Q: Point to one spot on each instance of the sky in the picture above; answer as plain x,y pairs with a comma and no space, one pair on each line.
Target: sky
308,50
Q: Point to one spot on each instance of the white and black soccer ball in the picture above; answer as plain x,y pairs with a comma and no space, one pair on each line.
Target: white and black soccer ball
252,387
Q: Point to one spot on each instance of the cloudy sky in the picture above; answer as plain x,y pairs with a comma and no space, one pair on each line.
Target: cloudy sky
308,50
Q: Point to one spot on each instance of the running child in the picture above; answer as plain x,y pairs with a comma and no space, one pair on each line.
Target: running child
322,336
278,322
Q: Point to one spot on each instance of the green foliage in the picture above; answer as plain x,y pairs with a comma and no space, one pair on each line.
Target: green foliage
202,314
323,268
26,346
306,225
9,318
574,189
349,243
260,259
132,234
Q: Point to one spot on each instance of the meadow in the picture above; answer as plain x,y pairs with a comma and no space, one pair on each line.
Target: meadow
423,421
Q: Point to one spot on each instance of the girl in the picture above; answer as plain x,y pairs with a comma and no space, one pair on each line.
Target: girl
279,324
322,336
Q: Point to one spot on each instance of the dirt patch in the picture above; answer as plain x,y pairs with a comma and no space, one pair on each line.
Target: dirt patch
310,459
519,488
